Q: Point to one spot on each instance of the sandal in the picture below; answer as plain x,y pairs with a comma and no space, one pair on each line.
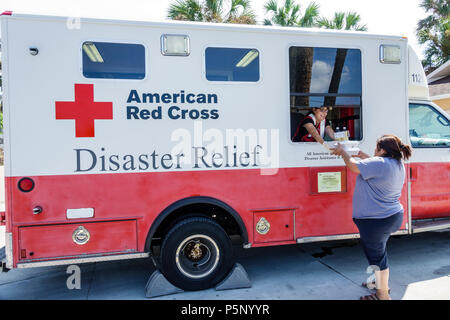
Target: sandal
370,297
364,284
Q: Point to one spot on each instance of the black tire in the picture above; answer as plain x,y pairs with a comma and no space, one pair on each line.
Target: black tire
196,254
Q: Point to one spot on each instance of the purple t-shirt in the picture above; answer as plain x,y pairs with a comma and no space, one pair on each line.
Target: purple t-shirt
378,188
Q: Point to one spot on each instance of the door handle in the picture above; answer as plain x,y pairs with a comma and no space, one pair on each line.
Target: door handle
412,174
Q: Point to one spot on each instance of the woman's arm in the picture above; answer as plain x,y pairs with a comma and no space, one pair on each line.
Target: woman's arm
330,132
349,161
313,132
362,155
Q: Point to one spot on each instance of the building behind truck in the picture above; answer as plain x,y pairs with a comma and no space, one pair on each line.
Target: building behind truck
439,85
128,139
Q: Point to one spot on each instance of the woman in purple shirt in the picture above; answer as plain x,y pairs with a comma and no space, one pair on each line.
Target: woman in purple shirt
377,211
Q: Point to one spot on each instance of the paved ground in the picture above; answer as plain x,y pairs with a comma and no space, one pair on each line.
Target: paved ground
420,269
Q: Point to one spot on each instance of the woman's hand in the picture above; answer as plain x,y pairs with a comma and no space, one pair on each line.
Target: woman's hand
329,131
362,155
349,161
339,150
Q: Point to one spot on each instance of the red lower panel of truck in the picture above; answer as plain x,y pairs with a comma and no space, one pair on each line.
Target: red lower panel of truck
125,205
53,241
430,190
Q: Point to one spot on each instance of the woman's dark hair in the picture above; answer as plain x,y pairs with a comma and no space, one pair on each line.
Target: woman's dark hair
394,147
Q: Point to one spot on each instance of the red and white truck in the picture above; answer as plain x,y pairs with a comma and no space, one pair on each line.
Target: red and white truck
128,139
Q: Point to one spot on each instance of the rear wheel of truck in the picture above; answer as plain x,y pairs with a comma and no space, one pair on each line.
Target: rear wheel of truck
196,254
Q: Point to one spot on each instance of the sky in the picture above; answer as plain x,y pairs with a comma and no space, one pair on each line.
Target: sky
393,17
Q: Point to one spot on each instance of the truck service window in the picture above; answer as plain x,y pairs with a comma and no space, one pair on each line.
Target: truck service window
113,60
232,64
328,77
427,127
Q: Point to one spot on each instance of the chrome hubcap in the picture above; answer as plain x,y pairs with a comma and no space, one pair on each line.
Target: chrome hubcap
197,256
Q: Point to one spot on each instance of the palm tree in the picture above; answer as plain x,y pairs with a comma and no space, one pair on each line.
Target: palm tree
310,16
300,74
301,59
339,62
241,12
343,21
212,11
190,10
434,31
289,14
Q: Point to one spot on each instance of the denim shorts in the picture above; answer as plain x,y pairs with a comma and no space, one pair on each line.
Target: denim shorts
374,235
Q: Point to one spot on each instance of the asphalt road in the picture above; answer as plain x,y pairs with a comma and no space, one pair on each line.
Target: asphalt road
420,269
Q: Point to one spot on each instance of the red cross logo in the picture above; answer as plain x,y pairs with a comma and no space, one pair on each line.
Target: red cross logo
84,110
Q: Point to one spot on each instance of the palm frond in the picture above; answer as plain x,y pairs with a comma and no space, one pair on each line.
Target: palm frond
190,10
292,17
325,23
310,16
214,6
240,8
271,6
338,20
342,20
267,22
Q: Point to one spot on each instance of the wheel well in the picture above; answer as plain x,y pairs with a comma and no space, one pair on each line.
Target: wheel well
213,209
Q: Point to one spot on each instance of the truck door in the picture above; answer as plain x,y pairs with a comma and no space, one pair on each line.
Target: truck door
429,130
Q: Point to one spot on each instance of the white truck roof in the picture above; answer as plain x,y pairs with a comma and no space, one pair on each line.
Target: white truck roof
207,25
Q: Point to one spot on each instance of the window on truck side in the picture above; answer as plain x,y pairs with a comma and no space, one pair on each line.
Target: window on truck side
109,60
427,127
329,77
232,64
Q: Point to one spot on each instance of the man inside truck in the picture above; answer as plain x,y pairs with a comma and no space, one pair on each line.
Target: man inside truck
314,127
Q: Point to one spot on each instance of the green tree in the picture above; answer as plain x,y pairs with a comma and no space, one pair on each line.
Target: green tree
289,15
434,32
239,11
340,21
343,21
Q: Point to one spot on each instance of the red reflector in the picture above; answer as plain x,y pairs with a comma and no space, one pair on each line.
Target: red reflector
23,254
6,13
2,218
26,184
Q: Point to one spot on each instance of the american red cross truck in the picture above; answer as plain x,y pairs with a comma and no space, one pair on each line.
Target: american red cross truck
174,140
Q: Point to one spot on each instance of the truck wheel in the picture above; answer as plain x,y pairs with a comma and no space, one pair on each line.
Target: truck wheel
196,254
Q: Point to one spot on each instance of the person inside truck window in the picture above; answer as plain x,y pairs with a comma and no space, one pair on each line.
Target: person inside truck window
314,127
377,211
